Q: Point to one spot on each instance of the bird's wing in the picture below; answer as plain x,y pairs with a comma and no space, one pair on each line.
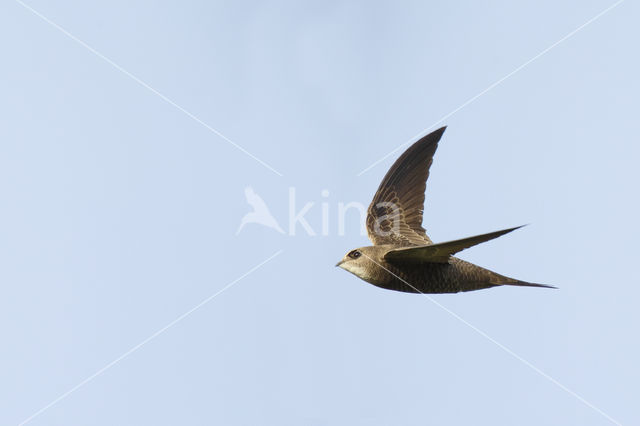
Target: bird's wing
440,252
395,214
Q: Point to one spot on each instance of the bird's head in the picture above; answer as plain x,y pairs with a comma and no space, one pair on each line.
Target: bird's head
362,262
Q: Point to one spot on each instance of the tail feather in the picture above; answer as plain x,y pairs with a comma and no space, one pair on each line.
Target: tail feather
497,279
527,284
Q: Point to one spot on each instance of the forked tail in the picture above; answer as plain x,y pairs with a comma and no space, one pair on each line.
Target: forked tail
526,284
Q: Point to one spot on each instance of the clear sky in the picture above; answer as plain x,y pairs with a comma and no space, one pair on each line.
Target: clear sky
119,210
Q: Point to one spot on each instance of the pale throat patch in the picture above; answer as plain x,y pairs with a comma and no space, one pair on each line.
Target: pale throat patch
357,270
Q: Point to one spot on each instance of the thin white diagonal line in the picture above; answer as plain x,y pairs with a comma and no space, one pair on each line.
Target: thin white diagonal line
143,84
501,346
145,341
472,99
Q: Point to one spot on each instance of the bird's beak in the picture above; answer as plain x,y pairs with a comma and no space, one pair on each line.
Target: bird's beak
340,263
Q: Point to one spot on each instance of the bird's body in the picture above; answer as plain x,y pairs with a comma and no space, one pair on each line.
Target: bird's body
452,277
403,258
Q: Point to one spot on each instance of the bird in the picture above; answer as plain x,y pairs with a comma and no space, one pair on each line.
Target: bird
403,258
260,214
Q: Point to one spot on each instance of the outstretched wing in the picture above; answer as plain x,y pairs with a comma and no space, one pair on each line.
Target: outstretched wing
395,214
440,252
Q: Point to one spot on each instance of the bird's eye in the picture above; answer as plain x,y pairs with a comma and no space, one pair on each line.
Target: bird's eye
355,254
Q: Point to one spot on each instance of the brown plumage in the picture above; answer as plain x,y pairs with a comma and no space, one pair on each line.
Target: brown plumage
403,258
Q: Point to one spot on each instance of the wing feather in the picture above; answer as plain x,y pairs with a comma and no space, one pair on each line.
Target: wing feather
440,252
395,214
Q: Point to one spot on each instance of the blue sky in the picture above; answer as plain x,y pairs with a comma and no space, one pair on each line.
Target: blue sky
120,208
